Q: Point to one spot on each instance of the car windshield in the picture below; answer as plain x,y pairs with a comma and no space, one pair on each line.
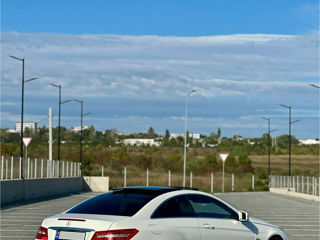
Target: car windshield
120,203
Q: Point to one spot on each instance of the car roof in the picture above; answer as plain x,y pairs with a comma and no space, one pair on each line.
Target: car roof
152,190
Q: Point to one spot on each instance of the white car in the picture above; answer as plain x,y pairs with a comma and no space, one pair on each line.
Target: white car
156,213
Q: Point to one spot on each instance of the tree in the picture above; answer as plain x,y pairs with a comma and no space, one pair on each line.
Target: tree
151,133
212,138
219,133
167,135
283,141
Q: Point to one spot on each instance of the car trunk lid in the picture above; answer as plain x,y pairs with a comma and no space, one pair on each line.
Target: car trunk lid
78,226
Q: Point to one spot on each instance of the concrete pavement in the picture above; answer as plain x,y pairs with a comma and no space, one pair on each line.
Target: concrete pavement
299,218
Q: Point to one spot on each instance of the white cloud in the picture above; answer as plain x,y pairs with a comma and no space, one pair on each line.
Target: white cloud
103,64
150,68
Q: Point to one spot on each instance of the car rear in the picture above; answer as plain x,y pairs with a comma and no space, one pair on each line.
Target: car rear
93,219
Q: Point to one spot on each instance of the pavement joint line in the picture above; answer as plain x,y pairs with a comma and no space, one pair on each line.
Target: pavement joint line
19,230
299,235
18,220
291,216
275,209
299,225
295,229
12,217
11,224
19,237
14,214
294,221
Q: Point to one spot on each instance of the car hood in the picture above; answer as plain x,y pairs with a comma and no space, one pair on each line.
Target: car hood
261,222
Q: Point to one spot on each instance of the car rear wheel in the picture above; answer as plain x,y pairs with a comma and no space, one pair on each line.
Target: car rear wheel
276,238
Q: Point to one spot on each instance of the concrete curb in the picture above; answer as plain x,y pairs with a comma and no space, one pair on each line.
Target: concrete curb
285,191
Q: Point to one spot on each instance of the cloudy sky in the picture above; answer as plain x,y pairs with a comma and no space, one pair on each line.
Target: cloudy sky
133,62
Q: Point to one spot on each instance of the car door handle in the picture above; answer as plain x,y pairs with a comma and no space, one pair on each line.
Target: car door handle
208,226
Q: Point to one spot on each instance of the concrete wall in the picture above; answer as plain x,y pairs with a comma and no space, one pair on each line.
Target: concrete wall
20,190
285,191
96,184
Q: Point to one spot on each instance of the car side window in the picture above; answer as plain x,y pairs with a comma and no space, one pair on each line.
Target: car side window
207,207
175,207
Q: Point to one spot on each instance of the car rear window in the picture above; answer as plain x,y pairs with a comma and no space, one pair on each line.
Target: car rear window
120,203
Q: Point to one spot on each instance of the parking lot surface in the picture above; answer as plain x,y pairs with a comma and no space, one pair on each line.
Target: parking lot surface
22,221
299,218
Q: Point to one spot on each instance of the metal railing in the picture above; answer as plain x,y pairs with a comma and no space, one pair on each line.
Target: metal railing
10,168
211,182
299,184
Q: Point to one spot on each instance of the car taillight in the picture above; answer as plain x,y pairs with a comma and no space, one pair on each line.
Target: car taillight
42,233
123,234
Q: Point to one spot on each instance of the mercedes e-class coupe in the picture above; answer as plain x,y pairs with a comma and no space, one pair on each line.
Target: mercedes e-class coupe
156,213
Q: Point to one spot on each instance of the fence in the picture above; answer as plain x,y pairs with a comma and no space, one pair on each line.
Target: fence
209,182
37,168
299,184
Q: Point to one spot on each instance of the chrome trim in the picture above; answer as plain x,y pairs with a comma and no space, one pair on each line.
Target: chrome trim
72,229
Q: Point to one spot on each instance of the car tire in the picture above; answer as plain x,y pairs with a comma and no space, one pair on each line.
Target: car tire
276,238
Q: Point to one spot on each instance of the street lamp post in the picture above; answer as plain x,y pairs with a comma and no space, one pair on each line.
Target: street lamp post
185,139
81,121
59,118
22,109
269,143
290,122
81,116
268,119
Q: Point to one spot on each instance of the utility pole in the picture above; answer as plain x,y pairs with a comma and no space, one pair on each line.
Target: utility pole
59,124
50,133
59,120
22,103
268,119
185,139
290,123
81,121
269,144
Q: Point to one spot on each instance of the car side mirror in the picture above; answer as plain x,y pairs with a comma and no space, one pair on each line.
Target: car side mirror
243,216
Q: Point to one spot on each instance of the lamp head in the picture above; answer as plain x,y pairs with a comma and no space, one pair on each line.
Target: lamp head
282,105
54,85
31,79
192,91
20,59
79,101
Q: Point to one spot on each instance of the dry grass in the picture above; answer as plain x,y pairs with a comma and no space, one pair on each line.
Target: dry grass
304,165
136,177
307,165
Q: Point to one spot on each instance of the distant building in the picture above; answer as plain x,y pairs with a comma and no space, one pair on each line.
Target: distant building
11,130
308,141
194,136
140,142
78,129
238,137
31,125
175,136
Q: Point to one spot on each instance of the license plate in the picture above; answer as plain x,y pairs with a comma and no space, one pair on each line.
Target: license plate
66,235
